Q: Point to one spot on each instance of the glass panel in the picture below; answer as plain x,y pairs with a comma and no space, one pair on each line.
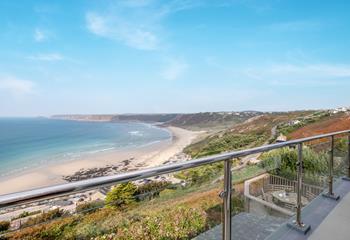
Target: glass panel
256,178
341,156
316,159
269,182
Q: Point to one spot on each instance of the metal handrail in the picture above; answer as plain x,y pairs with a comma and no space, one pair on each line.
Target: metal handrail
14,198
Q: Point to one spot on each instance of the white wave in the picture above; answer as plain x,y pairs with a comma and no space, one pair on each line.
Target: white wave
101,150
136,133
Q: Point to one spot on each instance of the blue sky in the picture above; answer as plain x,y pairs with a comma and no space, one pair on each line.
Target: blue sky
138,56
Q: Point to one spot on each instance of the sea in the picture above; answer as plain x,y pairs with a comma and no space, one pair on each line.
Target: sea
31,142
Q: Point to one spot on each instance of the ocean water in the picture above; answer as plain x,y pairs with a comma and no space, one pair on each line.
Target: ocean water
31,142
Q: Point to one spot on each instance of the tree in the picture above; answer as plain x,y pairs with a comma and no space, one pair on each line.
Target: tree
121,195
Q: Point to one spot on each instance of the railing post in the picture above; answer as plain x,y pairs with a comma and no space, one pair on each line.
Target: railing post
299,184
330,193
226,233
297,223
348,158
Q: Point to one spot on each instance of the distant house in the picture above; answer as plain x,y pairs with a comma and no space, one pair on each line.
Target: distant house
281,138
342,109
295,122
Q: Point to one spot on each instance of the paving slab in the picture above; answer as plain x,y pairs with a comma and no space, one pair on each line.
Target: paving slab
336,226
314,214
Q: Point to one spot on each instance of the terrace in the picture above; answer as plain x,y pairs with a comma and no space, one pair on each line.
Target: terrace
300,206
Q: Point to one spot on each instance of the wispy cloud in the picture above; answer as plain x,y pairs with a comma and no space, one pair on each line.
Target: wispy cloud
49,57
16,86
40,35
174,70
132,35
137,24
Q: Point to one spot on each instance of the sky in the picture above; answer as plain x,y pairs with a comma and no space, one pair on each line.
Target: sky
158,56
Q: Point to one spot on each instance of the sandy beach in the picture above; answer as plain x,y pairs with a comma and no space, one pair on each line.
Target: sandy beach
142,157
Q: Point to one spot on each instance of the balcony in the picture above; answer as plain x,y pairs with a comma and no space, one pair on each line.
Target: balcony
277,205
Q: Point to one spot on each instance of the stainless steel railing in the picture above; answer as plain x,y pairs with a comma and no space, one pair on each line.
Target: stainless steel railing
63,189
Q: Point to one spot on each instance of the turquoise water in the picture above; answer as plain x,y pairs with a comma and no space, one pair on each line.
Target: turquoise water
30,142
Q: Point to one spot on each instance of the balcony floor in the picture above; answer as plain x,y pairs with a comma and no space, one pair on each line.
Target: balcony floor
245,226
336,225
329,219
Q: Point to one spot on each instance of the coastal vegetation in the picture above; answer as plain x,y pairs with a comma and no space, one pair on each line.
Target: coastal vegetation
121,195
222,143
200,175
286,128
26,214
124,195
4,226
45,217
254,132
175,214
91,206
283,162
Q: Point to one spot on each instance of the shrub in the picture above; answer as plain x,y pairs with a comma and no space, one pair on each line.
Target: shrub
341,145
4,226
89,206
150,190
26,214
44,217
121,195
57,229
200,175
283,161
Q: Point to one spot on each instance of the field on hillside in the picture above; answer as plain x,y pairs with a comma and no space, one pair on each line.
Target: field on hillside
329,124
253,132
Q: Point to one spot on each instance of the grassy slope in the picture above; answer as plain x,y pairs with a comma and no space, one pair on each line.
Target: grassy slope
175,215
212,121
252,132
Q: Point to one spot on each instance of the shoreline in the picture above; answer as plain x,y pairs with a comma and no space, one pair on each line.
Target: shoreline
141,157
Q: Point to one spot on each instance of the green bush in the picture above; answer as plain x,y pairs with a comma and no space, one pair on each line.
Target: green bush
4,226
121,196
283,161
200,175
341,145
44,217
89,206
150,190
